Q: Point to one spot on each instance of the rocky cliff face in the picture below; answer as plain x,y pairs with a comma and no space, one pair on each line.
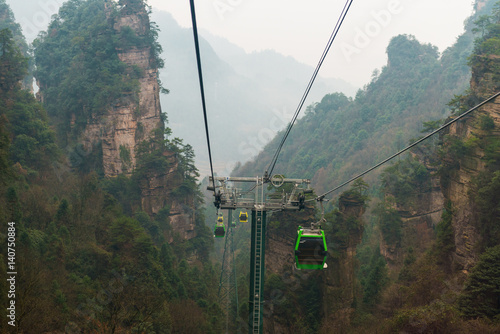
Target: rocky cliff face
460,188
419,218
137,114
134,118
456,181
281,239
339,280
280,245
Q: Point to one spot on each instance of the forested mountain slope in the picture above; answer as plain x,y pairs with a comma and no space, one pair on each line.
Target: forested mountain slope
7,20
339,137
423,257
107,217
441,272
103,207
244,92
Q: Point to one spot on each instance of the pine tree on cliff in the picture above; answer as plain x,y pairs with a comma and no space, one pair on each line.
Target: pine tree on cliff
481,295
31,142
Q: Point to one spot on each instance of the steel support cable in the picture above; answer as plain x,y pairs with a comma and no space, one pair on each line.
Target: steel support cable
309,85
321,197
202,90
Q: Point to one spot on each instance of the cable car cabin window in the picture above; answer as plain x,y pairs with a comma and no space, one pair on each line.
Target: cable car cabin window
310,253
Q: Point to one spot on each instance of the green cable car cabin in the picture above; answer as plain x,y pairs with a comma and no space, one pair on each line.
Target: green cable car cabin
310,249
243,217
220,229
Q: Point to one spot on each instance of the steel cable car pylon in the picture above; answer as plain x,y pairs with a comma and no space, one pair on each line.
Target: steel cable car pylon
257,261
228,288
230,197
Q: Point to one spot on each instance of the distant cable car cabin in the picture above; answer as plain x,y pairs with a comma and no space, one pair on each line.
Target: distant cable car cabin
310,248
220,229
243,217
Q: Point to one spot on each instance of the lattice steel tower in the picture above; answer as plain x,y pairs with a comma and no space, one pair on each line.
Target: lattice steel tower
228,288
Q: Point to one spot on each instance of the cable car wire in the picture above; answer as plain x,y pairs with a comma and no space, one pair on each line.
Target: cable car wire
321,197
340,20
202,90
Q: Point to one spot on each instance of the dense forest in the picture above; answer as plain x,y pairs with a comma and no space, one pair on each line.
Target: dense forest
89,258
113,233
428,232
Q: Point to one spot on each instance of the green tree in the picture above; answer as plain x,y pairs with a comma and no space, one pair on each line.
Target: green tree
376,280
8,21
486,50
404,179
445,236
31,139
13,65
78,67
332,102
487,199
63,213
5,172
389,222
358,191
406,275
481,294
13,206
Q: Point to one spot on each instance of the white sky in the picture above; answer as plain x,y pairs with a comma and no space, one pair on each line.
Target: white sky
301,28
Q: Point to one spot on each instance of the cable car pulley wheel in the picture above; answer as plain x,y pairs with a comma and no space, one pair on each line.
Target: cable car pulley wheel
279,182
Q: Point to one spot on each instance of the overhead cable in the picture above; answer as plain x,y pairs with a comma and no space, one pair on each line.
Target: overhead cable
340,20
202,90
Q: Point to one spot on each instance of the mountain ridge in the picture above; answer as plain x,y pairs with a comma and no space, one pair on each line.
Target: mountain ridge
243,97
